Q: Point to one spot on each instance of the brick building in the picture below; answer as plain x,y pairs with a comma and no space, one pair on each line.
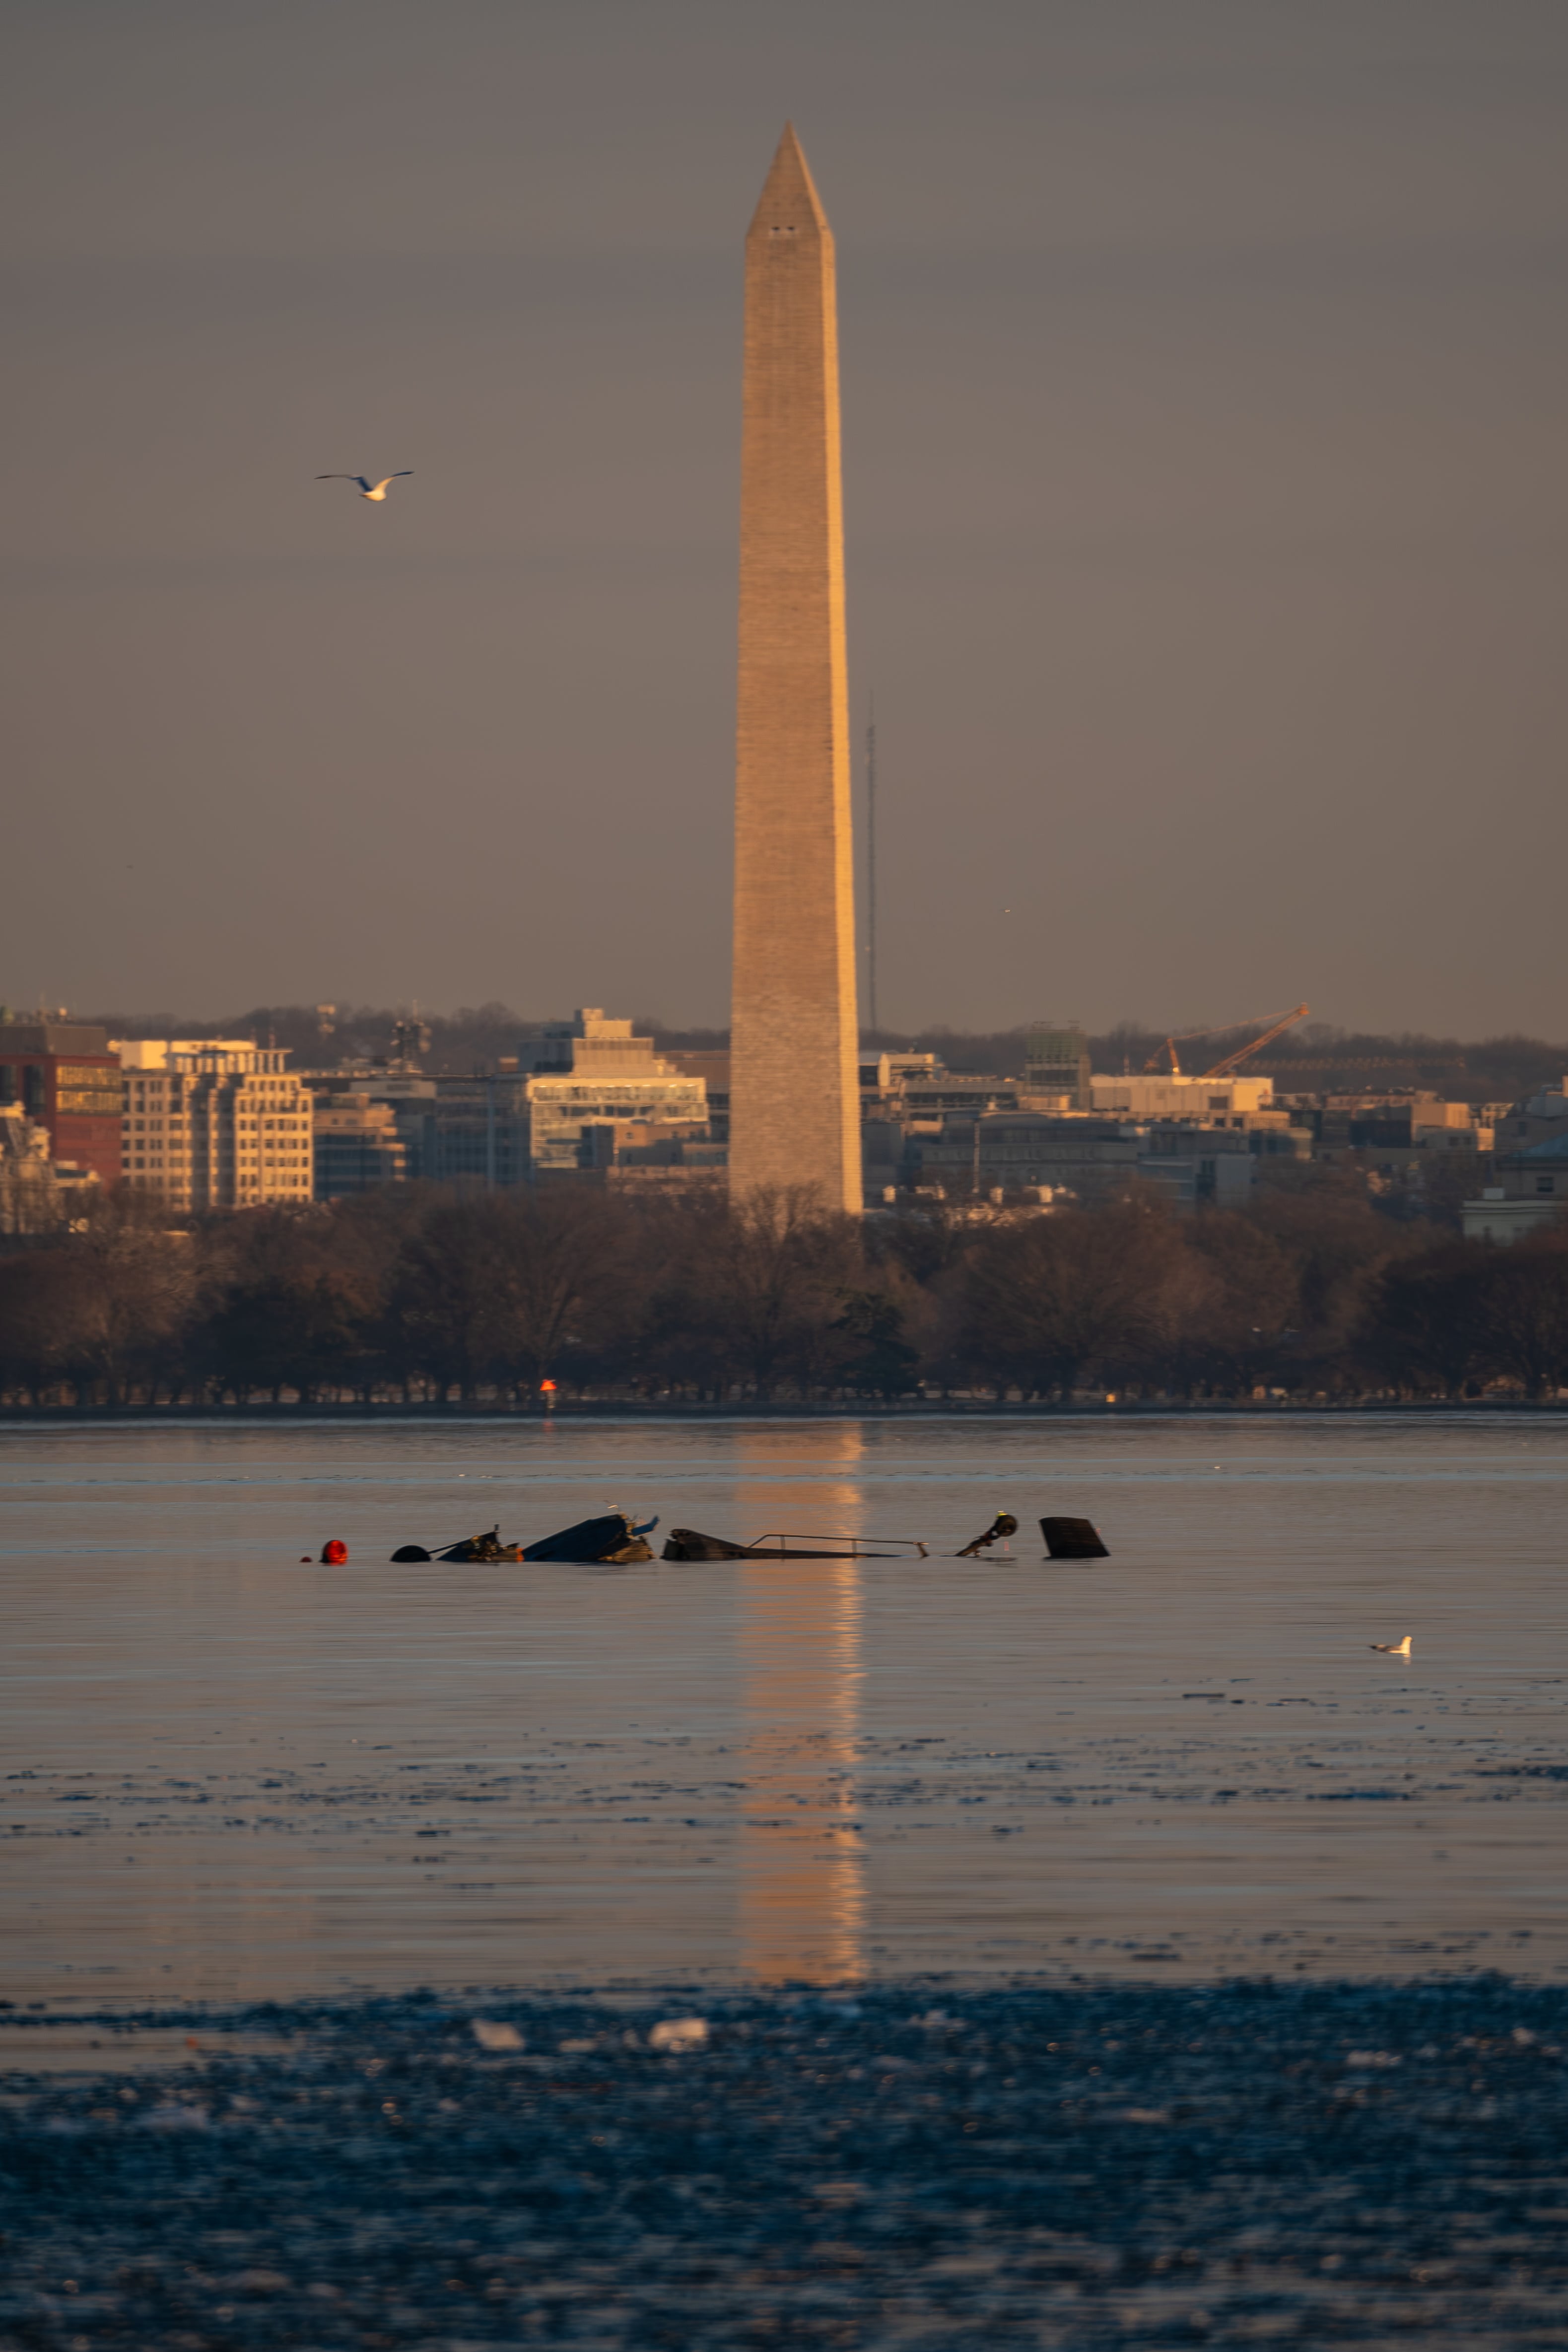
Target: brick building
64,1076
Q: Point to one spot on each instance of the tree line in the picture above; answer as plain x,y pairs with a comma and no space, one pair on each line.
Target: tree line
423,1296
1493,1069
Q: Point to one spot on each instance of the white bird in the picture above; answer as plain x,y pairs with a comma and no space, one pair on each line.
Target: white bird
1393,1649
376,490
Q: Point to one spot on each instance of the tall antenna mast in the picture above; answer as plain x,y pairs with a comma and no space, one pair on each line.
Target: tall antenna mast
870,862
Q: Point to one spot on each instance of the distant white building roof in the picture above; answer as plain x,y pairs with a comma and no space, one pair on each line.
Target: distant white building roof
224,1055
1166,1095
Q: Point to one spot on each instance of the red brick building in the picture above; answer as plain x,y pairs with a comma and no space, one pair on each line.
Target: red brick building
63,1075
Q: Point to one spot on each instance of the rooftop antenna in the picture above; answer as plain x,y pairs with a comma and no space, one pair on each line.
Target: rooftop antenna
871,860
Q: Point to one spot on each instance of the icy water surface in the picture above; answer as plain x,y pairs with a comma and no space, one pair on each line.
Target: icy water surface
228,1775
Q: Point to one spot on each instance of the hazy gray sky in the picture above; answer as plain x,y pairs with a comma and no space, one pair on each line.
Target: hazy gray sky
1206,480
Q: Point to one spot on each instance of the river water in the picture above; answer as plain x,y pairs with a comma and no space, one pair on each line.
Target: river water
228,1773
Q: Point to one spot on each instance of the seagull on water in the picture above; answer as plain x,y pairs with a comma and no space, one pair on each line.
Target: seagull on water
1393,1649
376,490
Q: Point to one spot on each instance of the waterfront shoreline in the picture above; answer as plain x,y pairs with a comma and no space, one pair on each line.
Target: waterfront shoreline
628,1410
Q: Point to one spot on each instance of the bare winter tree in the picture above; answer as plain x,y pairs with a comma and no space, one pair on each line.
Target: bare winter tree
761,1283
1050,1299
1524,1314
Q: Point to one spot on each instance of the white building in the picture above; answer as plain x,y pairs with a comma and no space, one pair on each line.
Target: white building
37,1193
1536,1120
1530,1191
589,1072
214,1123
1204,1101
574,1098
1499,1218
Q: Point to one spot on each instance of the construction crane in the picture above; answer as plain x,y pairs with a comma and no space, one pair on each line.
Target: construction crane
1272,1025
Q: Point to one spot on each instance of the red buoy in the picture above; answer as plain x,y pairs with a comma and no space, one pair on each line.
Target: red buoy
333,1555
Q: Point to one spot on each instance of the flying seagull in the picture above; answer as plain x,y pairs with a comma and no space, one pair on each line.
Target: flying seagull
376,490
1393,1649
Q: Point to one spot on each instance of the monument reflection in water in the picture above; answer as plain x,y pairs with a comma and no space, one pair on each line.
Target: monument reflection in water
802,1872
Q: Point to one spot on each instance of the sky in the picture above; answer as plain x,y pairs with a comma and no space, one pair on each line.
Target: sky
1204,381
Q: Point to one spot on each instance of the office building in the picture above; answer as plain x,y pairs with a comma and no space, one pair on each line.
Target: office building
480,1132
1205,1101
64,1076
1409,1121
355,1144
214,1123
578,1095
641,1153
1537,1118
712,1066
1057,1067
590,1073
1091,1159
411,1098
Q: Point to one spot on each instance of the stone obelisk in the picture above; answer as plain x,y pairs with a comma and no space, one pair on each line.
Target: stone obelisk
794,1045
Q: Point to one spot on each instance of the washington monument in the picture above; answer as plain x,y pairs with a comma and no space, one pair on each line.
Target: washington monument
794,1076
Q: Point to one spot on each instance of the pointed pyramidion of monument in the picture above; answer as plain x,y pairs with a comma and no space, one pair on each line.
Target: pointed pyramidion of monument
794,1077
790,205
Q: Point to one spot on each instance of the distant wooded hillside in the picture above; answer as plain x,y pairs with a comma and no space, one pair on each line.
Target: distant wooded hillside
1314,1058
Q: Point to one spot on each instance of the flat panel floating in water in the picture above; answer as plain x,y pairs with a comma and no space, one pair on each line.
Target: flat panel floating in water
1072,1539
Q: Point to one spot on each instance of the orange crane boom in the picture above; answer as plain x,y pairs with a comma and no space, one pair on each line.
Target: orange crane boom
1272,1025
1276,1029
